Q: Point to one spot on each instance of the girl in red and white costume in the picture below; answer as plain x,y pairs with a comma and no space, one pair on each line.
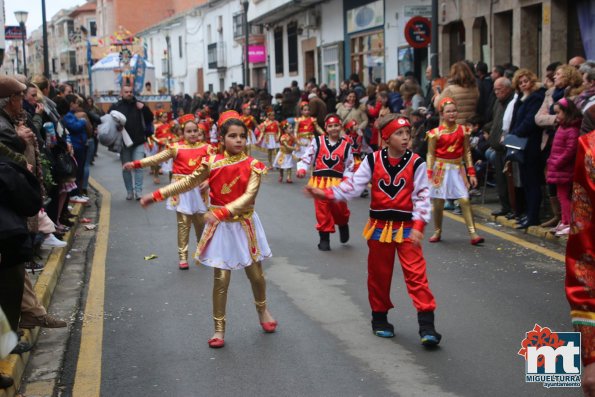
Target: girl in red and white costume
448,148
399,211
234,237
306,128
284,160
164,136
331,157
269,132
187,155
250,123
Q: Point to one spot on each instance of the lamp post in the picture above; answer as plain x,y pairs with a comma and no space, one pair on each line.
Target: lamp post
246,3
167,58
21,17
46,57
16,57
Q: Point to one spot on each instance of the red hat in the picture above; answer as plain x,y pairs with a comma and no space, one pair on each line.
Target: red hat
350,124
246,105
304,103
227,115
393,126
445,101
159,113
332,119
185,119
202,126
284,124
269,110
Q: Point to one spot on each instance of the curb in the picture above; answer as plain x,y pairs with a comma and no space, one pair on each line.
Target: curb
14,365
536,231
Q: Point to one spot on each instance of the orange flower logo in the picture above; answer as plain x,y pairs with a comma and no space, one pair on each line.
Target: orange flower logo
538,337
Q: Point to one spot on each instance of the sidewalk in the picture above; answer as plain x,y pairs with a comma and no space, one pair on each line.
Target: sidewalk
484,205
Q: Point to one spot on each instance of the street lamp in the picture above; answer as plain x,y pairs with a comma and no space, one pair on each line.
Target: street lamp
246,3
46,57
167,58
21,17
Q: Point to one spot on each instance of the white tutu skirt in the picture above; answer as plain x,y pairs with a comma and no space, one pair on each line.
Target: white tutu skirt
188,203
284,161
251,140
229,247
453,185
167,166
269,142
303,145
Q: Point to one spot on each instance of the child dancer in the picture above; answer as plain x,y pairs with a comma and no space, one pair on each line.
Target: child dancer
269,135
399,211
187,156
560,163
234,237
165,136
284,159
331,158
152,145
250,123
448,147
355,140
306,127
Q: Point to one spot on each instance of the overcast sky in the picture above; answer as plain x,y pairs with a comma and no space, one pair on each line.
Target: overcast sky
33,7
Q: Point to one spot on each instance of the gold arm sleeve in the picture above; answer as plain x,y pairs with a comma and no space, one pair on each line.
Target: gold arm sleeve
431,156
245,202
161,157
188,183
467,148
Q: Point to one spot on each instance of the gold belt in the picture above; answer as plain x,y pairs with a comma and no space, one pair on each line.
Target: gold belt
239,217
450,161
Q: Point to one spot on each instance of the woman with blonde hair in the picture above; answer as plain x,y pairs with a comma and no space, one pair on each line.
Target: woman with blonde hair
462,87
531,95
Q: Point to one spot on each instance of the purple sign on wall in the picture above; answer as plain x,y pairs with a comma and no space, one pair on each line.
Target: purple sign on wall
257,54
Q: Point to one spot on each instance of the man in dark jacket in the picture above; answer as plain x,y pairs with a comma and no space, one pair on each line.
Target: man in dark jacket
504,94
139,124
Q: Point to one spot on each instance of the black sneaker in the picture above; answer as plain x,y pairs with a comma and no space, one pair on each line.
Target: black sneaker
380,325
344,233
33,266
21,347
427,333
325,244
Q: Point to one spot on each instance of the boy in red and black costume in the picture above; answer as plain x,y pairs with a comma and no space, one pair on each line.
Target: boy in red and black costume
331,157
399,211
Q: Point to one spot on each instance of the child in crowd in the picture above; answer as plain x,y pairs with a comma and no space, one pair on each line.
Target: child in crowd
355,140
269,135
234,237
165,136
560,163
448,148
399,211
331,158
284,159
152,145
479,144
187,155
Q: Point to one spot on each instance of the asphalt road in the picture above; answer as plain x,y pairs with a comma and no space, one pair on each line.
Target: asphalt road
158,318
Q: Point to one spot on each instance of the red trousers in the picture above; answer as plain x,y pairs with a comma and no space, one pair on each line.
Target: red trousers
329,214
381,260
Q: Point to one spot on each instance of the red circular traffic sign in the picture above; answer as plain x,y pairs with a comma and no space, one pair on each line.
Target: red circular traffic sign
418,32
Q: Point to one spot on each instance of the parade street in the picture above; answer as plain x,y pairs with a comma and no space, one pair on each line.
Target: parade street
157,319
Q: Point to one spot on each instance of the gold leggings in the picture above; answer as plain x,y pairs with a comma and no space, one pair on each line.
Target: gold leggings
185,222
438,210
221,283
270,153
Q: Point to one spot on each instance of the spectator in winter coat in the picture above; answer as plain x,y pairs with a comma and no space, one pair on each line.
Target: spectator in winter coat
462,87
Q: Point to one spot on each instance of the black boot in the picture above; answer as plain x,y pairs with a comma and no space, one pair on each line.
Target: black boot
427,332
380,325
5,381
344,233
325,244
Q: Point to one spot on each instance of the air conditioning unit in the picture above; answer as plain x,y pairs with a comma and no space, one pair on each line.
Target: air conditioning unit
312,20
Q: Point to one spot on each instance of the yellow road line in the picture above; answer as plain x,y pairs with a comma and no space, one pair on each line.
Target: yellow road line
505,236
87,381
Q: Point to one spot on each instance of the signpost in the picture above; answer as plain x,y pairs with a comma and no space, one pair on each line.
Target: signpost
13,32
418,32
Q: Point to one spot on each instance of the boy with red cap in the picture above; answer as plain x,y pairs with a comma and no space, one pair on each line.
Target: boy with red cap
332,161
399,211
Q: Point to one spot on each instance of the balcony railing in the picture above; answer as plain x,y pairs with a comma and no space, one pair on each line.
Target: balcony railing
216,55
238,30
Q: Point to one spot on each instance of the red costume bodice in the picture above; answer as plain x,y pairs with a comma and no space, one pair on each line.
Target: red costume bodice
189,156
228,179
449,145
330,159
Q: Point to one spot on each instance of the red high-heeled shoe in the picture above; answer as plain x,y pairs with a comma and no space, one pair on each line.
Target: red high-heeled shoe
269,327
216,343
184,266
477,240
